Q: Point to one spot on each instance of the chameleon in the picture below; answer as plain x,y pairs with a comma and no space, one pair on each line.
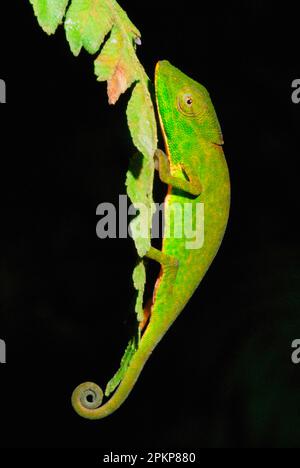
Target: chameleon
195,170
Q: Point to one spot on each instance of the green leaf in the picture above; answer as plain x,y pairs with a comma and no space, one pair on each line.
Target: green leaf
139,182
116,379
139,280
141,121
49,13
87,23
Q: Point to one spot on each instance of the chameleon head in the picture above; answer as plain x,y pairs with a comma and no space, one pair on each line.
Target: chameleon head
184,105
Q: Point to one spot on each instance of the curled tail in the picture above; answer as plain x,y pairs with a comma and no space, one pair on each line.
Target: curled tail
87,397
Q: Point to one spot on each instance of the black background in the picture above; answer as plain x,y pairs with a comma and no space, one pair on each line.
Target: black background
223,376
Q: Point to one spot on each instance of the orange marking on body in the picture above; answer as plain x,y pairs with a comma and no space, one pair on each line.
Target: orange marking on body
147,314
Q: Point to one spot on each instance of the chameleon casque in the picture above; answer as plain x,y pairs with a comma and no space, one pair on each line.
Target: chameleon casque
195,169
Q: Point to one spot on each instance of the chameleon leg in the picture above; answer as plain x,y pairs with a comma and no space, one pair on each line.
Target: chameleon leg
169,268
166,261
169,264
192,186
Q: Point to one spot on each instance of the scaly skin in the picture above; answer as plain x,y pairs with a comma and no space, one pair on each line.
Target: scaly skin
196,172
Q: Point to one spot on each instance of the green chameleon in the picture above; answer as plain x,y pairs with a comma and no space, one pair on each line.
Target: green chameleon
195,169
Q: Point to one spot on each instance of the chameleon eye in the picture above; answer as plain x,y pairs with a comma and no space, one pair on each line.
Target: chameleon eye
189,103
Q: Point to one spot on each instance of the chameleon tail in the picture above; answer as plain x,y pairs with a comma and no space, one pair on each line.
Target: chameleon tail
87,397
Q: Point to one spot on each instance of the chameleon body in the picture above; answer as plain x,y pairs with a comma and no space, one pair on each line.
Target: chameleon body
195,170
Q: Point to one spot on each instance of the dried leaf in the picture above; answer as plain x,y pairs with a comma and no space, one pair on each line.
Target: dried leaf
113,65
